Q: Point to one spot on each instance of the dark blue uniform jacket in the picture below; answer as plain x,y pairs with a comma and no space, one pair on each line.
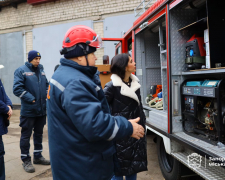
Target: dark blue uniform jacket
80,128
4,102
30,86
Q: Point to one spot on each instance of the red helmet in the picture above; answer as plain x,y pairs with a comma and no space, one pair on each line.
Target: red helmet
81,34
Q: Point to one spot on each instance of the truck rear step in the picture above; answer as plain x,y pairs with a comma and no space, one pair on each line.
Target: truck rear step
205,170
213,149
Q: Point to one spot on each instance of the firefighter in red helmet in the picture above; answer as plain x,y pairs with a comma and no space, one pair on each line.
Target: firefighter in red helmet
81,129
80,41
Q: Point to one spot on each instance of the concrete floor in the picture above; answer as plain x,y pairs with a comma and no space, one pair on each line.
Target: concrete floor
13,164
154,172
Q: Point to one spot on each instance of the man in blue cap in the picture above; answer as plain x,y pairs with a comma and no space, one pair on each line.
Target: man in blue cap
30,85
5,114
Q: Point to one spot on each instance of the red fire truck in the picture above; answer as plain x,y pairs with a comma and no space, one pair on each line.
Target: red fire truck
178,48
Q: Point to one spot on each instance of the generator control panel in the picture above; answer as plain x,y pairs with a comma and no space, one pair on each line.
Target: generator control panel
189,103
205,88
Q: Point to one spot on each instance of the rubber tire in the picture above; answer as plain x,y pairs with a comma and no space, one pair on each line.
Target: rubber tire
166,160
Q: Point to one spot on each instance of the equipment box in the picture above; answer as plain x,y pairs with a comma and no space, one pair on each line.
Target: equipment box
105,73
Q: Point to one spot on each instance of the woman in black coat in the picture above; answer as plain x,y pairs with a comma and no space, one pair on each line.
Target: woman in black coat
123,96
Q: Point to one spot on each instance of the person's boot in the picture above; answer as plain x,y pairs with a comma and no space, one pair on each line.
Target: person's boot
28,167
41,160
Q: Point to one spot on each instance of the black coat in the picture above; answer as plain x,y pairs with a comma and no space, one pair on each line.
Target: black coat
131,156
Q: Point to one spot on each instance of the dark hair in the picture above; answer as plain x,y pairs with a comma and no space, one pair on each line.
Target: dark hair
119,64
56,67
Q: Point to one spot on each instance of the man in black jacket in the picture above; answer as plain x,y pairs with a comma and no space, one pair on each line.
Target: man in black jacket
5,114
30,84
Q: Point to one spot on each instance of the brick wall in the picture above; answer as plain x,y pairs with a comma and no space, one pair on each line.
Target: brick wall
62,10
26,16
99,29
29,42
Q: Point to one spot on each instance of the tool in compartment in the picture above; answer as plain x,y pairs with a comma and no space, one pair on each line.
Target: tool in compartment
154,90
195,53
157,102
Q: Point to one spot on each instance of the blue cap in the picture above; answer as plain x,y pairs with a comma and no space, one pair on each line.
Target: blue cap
33,54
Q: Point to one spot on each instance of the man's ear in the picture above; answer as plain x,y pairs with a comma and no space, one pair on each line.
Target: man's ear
79,58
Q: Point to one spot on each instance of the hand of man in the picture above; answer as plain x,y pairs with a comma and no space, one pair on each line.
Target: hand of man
10,112
138,130
33,101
